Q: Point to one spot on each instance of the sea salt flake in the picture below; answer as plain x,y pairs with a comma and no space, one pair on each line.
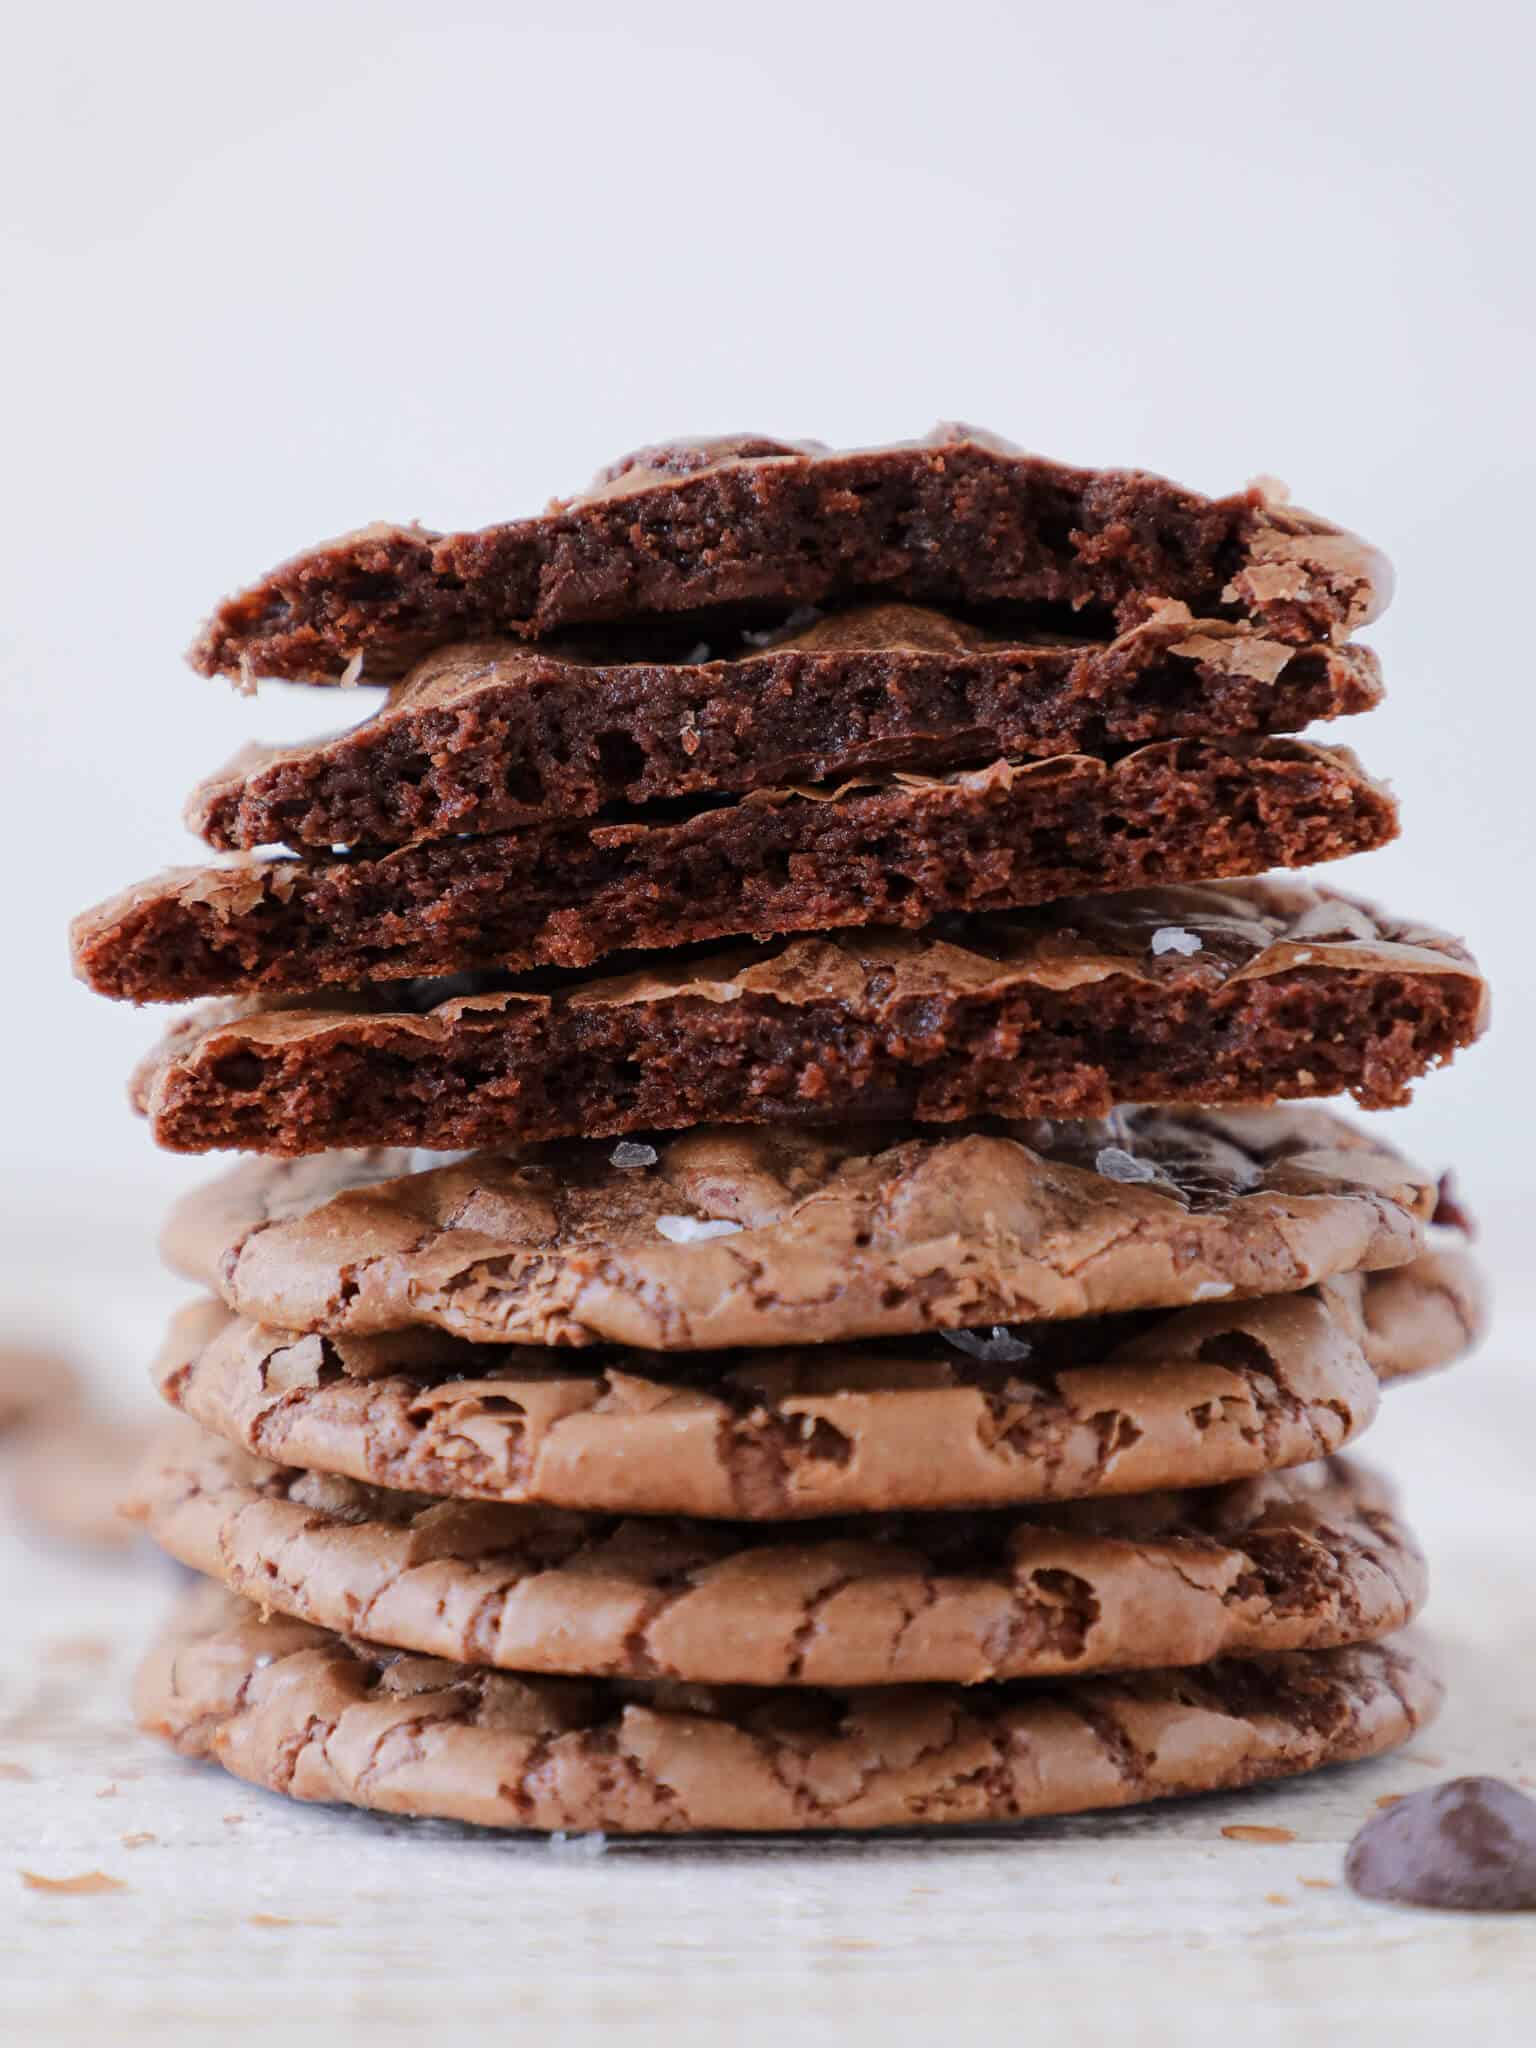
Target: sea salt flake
1172,938
1115,1163
694,1229
627,1154
997,1346
1213,1290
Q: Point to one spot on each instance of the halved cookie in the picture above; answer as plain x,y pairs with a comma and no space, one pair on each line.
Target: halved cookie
902,853
749,525
491,735
1248,992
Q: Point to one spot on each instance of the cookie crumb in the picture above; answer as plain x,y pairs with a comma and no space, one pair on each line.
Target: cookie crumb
1318,1884
139,1840
85,1885
1242,1832
77,1650
16,1774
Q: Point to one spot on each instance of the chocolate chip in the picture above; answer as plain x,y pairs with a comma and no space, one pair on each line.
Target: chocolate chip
1470,1844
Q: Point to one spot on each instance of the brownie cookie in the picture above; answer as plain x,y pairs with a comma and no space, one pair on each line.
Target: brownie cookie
320,1717
798,1236
975,1418
1246,993
491,734
69,1474
902,853
750,526
1304,1560
35,1378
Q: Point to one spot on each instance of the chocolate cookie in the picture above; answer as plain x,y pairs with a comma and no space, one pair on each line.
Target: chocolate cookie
320,1717
70,1473
751,526
1245,993
1301,1561
33,1379
980,1418
491,735
902,853
794,1236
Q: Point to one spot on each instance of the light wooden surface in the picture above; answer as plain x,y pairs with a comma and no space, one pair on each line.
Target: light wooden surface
246,1916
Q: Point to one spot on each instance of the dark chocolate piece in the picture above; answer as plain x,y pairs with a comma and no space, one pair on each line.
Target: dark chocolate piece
1469,1845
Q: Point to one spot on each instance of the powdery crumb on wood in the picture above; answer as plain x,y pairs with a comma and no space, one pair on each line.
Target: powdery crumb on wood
86,1885
1248,1832
77,1650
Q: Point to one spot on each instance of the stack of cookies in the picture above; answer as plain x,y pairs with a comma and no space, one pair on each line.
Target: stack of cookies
784,1283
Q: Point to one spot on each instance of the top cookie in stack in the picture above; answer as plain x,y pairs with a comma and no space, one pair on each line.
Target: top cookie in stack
906,1175
1023,686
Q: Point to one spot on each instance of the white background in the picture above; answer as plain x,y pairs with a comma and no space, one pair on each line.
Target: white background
276,271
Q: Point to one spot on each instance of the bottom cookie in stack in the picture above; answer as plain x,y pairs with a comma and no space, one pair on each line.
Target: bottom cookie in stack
320,1716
